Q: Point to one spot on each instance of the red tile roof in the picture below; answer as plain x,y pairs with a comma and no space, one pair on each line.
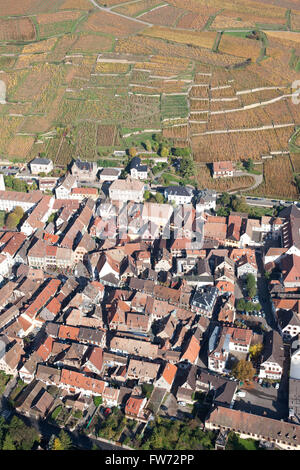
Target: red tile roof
169,373
45,349
134,406
79,380
68,332
43,298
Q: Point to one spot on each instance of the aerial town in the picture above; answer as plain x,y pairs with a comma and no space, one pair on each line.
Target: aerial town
116,310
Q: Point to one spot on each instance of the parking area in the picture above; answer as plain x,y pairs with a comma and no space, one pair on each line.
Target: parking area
263,401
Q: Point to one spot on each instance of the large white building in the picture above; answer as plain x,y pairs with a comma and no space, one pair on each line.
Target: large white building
11,199
179,194
40,165
127,190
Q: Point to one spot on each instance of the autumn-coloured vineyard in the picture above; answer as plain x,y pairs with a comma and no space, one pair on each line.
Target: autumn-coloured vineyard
214,75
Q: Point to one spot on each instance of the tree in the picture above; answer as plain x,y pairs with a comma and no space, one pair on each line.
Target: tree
147,195
24,437
187,167
14,217
57,445
148,145
251,285
97,401
132,152
155,146
9,181
8,443
164,152
241,305
62,442
19,212
225,199
249,165
223,212
243,370
249,307
238,204
20,185
12,220
159,198
255,351
267,275
157,137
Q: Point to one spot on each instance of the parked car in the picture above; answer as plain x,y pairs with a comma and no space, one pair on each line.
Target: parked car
277,386
241,394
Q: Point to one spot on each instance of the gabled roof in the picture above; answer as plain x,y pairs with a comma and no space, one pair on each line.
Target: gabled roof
273,348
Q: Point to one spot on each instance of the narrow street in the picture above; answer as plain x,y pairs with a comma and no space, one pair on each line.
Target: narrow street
263,293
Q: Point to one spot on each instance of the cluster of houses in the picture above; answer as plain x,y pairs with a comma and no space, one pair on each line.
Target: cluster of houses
118,292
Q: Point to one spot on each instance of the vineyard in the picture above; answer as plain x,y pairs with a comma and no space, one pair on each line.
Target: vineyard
278,180
80,78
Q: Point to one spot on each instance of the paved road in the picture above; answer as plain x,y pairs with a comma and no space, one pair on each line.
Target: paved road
146,23
265,202
258,179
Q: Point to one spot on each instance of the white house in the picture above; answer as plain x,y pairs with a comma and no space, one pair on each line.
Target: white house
167,378
207,199
63,191
40,165
179,194
138,171
273,356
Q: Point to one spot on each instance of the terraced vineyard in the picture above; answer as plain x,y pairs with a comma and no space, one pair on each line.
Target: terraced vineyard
214,75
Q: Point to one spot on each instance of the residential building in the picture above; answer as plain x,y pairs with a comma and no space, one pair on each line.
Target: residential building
40,165
222,169
178,194
137,170
109,174
64,188
84,171
271,365
127,190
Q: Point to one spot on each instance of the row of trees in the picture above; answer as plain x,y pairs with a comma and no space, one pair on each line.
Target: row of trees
158,197
16,184
251,285
164,434
244,306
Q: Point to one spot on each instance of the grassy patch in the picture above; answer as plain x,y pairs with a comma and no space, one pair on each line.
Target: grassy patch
17,389
236,443
4,379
